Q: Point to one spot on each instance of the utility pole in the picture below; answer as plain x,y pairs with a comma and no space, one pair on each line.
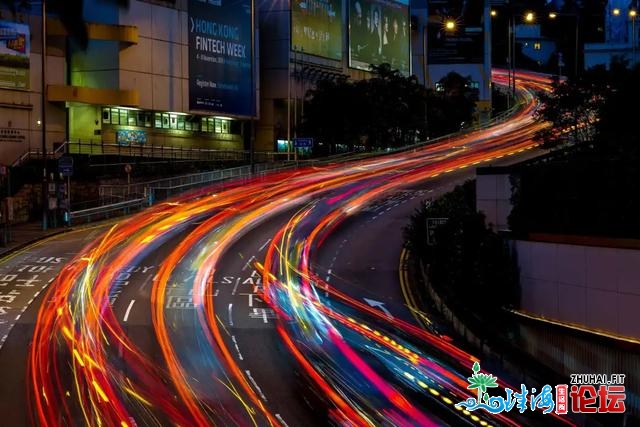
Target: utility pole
45,187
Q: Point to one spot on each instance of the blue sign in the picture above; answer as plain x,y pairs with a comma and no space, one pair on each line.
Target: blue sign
220,57
303,142
65,165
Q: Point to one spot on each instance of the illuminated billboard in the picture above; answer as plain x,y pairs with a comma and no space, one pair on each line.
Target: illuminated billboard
15,48
379,32
462,44
220,57
316,27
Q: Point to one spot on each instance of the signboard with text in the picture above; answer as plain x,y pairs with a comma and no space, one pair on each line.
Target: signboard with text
464,44
15,48
316,27
379,32
220,57
432,225
303,142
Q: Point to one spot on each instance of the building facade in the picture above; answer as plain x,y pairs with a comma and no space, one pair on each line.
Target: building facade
145,79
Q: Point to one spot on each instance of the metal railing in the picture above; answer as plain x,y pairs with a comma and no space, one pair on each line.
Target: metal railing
107,211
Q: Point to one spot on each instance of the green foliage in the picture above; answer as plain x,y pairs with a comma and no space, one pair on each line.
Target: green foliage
469,264
591,108
387,110
587,189
572,107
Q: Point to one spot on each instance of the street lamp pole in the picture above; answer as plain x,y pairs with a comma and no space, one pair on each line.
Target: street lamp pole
632,15
576,60
43,99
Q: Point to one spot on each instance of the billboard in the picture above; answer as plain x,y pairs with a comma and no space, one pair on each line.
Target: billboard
220,57
462,45
15,47
316,27
379,32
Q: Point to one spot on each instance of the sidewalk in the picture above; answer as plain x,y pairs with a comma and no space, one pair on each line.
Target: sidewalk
21,235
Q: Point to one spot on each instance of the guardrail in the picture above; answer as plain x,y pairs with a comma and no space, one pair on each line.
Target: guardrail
146,193
108,211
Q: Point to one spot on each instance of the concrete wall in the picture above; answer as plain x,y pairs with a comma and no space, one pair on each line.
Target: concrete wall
493,194
20,110
595,287
158,66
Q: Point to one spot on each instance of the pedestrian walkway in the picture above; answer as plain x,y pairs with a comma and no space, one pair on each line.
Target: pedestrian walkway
18,236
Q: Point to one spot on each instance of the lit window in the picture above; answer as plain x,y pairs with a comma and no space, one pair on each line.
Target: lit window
537,46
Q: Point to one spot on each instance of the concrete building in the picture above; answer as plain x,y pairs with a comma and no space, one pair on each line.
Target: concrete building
132,88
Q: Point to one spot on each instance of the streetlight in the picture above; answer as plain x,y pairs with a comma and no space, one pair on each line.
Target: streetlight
554,15
450,25
529,18
632,15
43,100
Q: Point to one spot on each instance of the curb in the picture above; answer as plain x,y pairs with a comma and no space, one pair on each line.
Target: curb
12,250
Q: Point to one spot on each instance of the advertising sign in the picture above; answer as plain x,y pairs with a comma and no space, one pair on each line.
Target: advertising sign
220,57
379,32
316,27
464,44
15,47
131,137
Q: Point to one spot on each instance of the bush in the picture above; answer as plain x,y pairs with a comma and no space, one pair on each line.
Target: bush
469,264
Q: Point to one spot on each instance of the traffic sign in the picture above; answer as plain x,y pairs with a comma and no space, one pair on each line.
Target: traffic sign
432,225
303,142
65,165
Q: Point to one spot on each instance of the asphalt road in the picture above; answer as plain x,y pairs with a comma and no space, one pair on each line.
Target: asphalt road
360,258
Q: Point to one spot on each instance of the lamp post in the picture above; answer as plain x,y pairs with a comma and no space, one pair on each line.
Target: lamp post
632,15
43,100
554,15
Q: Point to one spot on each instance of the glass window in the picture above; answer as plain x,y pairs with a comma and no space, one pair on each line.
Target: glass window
132,118
140,118
165,121
158,120
124,117
181,122
173,121
115,116
106,115
218,126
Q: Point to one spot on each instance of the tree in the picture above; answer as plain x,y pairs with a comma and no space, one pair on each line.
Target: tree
469,264
70,12
572,109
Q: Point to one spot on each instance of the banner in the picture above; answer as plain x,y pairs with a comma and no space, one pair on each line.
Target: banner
379,32
316,27
220,57
15,48
462,45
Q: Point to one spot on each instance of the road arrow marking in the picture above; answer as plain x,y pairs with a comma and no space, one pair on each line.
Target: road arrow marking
377,304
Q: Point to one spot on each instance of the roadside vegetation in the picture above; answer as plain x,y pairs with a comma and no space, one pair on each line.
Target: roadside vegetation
589,184
470,266
386,111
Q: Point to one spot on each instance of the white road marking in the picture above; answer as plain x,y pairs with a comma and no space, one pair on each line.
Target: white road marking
255,384
230,319
235,287
264,245
248,262
235,342
126,313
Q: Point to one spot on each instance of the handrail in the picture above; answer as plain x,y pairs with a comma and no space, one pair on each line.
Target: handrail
105,210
